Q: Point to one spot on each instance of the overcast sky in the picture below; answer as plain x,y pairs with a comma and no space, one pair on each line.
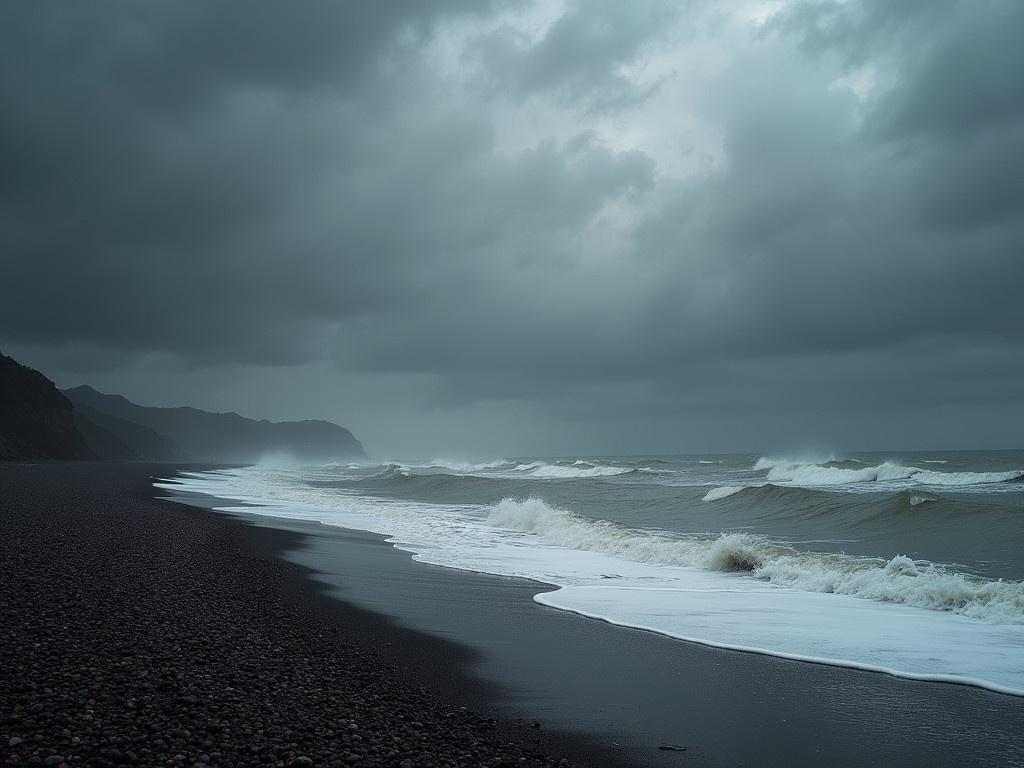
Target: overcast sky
477,230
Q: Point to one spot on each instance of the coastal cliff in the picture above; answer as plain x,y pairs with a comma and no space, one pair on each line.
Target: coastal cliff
39,422
204,436
36,420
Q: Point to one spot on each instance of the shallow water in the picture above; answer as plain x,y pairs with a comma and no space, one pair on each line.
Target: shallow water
905,563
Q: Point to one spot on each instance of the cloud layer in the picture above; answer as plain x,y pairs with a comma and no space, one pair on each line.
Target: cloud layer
526,227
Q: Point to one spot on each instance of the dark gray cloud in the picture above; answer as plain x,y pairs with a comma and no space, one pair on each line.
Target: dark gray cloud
580,55
528,227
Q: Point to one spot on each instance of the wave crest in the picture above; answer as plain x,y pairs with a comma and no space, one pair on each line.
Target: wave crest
899,580
809,474
724,492
579,469
566,529
735,552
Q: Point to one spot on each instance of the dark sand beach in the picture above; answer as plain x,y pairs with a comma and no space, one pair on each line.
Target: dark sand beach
628,692
136,631
142,630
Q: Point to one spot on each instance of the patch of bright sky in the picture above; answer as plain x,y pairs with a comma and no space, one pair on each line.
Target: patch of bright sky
678,70
862,81
681,69
759,12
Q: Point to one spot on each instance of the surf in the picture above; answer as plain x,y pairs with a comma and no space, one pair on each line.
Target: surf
652,554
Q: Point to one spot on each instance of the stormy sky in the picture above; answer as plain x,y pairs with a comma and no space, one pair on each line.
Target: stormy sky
485,229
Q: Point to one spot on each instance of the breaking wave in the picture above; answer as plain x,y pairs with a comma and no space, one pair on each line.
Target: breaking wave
507,467
466,466
811,572
899,580
834,473
562,528
724,492
577,469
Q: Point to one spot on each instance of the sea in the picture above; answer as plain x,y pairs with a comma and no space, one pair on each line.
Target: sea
907,563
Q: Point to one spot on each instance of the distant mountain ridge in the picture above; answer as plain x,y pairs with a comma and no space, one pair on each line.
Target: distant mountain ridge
38,422
226,437
141,442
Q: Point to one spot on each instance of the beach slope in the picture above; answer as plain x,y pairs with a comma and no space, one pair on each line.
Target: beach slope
138,631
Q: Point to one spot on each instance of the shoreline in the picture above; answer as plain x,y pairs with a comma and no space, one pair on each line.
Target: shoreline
141,631
549,594
262,622
795,657
232,508
642,689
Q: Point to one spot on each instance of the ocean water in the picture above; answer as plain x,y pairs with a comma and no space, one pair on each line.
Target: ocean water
910,564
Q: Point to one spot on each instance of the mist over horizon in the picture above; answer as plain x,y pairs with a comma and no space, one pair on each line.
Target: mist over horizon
483,230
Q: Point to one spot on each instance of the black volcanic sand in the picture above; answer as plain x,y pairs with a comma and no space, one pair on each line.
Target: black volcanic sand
137,631
630,692
137,628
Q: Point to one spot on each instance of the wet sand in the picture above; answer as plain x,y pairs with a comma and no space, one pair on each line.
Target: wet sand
628,692
137,631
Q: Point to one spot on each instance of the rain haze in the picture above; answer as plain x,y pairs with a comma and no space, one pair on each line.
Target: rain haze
490,229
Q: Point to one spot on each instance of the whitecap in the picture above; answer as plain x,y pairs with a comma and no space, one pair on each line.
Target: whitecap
724,492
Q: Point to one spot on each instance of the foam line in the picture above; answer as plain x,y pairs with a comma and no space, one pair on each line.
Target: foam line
731,590
548,599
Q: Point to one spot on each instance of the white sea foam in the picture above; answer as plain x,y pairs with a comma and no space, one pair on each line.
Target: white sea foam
724,492
737,552
829,629
899,580
561,471
562,528
467,466
929,477
454,466
344,465
815,474
528,467
768,462
734,590
811,475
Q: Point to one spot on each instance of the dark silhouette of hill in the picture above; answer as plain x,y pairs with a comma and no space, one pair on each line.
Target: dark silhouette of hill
139,441
39,422
36,420
224,437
